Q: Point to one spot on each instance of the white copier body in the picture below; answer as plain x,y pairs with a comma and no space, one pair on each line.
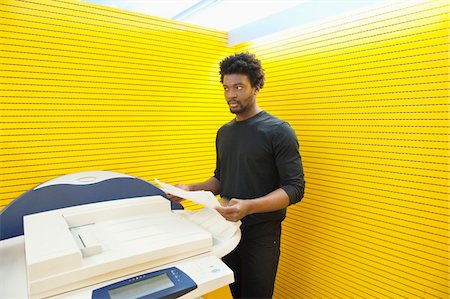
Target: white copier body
69,252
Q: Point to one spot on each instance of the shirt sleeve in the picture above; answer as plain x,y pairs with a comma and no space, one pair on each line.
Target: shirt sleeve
289,162
217,170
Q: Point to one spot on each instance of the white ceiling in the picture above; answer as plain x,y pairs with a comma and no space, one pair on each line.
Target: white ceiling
217,14
242,19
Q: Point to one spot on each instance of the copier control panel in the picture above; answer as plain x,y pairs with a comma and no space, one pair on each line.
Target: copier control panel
166,283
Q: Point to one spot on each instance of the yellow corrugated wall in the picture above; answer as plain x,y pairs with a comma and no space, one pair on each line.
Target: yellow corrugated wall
86,87
368,95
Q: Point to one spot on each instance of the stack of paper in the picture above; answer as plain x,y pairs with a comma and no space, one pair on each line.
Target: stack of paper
205,198
213,222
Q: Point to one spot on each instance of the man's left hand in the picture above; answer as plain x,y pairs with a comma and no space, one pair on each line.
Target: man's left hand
235,210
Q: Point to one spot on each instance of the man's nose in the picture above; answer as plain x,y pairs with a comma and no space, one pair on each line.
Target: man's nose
232,94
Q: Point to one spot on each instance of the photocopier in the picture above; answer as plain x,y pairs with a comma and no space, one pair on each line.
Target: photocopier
123,247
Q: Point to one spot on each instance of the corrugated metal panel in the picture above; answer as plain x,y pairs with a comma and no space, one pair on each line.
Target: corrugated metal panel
368,96
87,87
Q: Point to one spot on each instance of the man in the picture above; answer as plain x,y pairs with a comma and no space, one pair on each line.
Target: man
259,169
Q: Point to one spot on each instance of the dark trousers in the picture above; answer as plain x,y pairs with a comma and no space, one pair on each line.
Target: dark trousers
254,261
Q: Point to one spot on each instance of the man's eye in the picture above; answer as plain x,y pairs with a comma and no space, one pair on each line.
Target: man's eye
239,87
225,88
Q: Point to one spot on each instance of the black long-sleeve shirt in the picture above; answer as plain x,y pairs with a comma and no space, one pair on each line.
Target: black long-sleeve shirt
257,156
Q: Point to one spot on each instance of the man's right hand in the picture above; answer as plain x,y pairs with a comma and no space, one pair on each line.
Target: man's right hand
176,198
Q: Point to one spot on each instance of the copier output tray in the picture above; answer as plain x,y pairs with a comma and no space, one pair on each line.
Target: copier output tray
79,246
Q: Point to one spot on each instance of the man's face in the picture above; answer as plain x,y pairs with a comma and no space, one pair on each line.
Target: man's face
239,93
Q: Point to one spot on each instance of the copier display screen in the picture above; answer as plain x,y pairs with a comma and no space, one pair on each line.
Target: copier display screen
142,288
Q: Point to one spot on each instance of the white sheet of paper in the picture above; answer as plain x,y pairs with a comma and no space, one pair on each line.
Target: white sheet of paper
205,198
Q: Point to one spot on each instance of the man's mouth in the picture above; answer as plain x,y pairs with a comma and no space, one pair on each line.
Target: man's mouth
233,104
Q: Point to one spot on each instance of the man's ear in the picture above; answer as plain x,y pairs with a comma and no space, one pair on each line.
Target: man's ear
256,91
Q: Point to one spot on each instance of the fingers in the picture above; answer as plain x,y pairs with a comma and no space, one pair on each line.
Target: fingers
224,211
176,198
230,212
224,201
233,202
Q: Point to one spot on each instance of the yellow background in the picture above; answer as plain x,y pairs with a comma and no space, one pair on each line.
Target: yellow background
86,87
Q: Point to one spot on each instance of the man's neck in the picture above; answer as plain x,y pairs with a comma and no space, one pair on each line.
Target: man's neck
248,114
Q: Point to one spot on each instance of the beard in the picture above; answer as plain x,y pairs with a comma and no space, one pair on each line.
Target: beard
236,106
238,109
